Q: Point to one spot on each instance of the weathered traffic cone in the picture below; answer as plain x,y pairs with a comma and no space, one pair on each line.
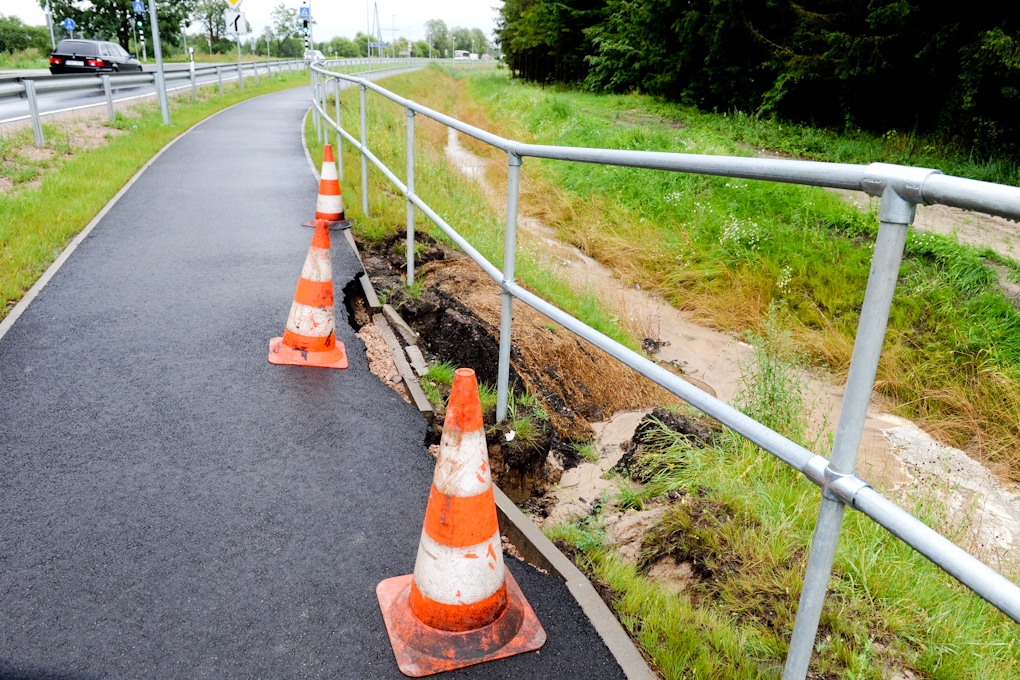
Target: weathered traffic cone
461,606
310,336
329,205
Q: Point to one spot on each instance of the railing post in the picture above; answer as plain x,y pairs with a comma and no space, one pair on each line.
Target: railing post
33,107
312,76
410,192
240,77
194,85
324,131
895,216
219,78
255,68
364,158
513,187
108,91
339,137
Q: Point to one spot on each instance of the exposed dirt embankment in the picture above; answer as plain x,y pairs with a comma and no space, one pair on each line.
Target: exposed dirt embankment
455,308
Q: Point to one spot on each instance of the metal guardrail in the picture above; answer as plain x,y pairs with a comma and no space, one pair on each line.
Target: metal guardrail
31,88
901,189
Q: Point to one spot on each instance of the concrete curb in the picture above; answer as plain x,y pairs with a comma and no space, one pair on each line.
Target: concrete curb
522,533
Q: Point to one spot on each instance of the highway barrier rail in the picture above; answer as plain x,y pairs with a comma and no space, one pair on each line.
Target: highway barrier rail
32,88
901,189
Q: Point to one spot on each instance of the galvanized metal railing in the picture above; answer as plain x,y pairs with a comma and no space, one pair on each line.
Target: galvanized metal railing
32,88
901,189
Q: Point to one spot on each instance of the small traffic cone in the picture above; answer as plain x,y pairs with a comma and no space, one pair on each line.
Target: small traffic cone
461,606
329,205
310,336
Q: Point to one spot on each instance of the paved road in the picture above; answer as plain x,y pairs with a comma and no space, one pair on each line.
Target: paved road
173,505
17,109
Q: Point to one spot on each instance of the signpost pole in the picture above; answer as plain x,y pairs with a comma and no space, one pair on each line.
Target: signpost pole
164,105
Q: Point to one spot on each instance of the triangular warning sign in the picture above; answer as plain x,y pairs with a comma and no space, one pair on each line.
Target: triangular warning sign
234,3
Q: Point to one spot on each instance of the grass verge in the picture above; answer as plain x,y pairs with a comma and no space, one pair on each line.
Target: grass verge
727,250
73,184
740,523
454,197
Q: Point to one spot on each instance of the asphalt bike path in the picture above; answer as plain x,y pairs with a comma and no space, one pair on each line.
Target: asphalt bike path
173,505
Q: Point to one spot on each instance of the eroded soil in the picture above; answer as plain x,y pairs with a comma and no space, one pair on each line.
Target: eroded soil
895,455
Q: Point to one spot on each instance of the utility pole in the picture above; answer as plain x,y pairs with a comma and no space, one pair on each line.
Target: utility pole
49,25
134,33
164,105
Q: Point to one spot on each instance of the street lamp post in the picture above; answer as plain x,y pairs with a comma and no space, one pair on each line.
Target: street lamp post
164,105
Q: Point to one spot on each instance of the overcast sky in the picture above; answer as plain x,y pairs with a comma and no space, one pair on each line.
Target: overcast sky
334,17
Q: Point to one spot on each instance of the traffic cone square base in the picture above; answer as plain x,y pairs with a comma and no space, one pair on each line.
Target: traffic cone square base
282,355
334,225
517,630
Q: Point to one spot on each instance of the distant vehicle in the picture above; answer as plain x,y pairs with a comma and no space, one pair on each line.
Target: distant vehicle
461,55
91,56
485,57
313,55
473,57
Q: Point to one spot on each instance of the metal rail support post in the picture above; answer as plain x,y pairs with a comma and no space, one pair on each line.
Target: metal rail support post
312,78
895,216
410,192
240,77
339,137
255,68
364,158
513,188
194,85
33,107
219,78
324,131
108,91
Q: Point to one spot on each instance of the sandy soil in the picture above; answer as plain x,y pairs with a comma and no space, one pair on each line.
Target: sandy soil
971,228
380,362
896,456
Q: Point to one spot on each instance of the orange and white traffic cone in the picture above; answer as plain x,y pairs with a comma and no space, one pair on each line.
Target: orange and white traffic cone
310,336
461,606
329,205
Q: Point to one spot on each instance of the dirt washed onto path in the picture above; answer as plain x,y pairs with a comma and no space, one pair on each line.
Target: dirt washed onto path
895,456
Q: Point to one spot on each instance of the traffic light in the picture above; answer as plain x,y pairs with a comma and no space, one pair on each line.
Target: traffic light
139,23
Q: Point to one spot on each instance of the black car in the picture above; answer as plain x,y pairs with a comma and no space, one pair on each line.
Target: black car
91,56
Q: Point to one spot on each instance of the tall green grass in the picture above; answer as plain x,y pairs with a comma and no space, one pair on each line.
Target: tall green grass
454,197
727,250
37,223
743,520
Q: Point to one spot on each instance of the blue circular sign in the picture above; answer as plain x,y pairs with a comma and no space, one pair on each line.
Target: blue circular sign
69,24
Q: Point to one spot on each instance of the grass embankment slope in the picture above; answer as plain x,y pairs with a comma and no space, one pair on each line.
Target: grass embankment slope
728,250
54,194
741,516
453,196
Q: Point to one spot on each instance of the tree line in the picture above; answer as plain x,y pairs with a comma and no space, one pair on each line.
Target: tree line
114,20
928,66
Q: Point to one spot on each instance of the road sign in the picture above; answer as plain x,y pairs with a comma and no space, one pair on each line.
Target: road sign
68,24
377,44
138,7
234,3
305,13
236,24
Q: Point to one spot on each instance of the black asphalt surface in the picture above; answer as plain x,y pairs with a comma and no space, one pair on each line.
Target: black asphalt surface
174,506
